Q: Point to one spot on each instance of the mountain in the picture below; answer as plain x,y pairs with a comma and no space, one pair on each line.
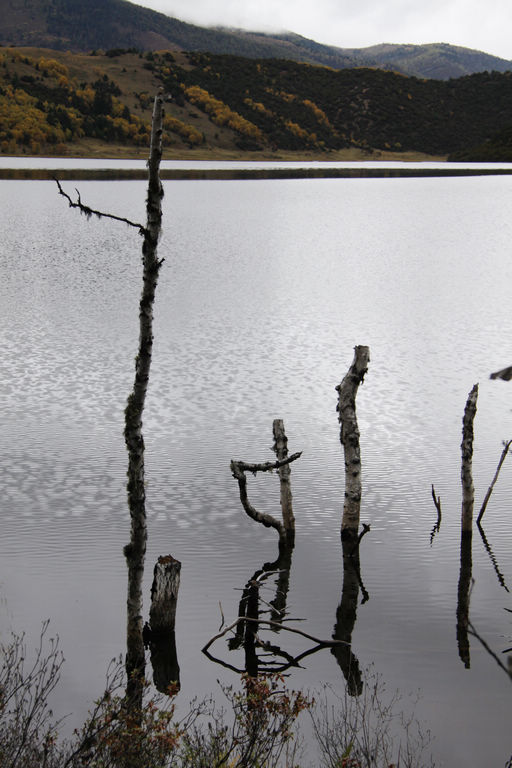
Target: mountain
87,25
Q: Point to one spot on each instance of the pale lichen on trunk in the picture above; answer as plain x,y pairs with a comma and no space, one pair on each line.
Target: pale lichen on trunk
136,549
349,438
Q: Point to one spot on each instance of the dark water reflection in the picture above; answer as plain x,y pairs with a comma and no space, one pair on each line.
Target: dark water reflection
266,288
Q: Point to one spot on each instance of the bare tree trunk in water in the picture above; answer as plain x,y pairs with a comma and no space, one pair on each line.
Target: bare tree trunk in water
468,490
280,448
468,498
135,551
349,438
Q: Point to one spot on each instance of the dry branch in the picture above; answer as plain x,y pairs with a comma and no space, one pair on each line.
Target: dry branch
506,446
88,212
238,470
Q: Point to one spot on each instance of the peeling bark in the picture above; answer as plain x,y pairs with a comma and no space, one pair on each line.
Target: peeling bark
349,438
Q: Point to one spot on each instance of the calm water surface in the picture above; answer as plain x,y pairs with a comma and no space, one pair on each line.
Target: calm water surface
265,290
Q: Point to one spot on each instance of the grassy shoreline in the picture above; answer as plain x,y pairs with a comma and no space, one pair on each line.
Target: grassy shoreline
95,150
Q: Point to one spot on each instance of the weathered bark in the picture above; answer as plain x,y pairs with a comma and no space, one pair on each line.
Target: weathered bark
238,470
349,438
468,490
136,549
164,594
280,448
162,618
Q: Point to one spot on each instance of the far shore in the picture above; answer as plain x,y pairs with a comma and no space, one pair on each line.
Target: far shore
95,150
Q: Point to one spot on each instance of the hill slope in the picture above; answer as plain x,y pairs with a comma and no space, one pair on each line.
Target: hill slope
50,101
104,24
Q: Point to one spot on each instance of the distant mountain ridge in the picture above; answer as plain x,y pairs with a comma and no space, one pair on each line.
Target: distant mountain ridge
106,24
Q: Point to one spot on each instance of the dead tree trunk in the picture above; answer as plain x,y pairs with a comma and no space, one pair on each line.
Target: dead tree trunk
136,549
349,438
280,448
468,498
468,490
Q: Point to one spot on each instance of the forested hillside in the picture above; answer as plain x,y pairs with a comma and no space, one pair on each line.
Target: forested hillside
55,101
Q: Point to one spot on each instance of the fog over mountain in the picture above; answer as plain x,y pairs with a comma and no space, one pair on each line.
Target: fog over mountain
104,24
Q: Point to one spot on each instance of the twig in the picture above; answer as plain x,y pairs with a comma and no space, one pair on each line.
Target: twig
506,446
88,212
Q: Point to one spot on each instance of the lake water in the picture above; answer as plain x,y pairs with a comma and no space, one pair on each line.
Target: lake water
266,288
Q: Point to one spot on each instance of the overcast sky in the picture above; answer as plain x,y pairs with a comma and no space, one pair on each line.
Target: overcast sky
482,24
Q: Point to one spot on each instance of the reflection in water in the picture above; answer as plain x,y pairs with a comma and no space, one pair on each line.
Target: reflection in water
492,556
250,620
346,615
246,634
463,597
437,526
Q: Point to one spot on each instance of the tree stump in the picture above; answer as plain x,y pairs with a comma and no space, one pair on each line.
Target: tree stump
162,618
164,594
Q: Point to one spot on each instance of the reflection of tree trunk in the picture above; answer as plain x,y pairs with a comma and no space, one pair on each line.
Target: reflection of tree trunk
162,616
246,632
346,615
491,554
468,498
135,551
463,595
349,438
283,564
